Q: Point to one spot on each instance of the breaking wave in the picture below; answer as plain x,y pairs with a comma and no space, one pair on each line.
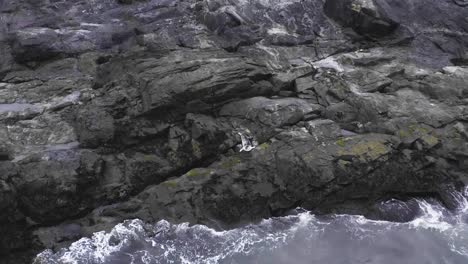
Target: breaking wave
436,236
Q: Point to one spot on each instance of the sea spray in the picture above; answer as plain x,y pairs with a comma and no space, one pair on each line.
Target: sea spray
435,236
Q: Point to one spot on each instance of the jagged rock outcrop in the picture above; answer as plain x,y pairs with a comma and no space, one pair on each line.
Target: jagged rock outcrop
112,110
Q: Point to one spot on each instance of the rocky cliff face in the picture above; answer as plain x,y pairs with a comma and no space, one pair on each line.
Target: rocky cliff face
223,112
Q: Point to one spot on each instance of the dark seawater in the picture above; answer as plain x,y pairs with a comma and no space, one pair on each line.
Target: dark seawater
436,236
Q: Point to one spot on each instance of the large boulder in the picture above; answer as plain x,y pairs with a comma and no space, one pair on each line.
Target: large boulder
363,16
95,127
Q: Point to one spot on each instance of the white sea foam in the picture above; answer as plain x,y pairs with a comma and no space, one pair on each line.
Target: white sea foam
432,217
433,237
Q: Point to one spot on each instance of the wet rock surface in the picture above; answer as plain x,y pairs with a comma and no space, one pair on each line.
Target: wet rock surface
114,110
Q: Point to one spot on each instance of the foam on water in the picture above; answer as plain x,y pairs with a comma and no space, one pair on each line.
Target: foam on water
432,217
436,236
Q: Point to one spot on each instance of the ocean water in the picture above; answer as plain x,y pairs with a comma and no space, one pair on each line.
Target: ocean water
436,236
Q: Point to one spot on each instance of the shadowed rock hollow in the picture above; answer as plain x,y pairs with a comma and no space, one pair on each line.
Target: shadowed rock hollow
114,110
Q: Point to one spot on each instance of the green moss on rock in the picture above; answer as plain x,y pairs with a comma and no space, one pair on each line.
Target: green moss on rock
430,140
415,132
343,164
264,146
198,173
170,184
366,150
230,163
341,142
196,149
403,133
148,157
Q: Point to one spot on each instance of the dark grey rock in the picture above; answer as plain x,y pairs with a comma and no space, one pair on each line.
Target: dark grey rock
363,16
94,127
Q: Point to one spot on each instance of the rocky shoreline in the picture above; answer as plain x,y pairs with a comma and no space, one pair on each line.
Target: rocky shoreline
114,110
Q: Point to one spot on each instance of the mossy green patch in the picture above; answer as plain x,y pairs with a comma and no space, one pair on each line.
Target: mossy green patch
414,132
170,184
343,164
403,133
430,140
367,150
341,142
198,173
148,157
264,146
196,149
230,163
413,129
